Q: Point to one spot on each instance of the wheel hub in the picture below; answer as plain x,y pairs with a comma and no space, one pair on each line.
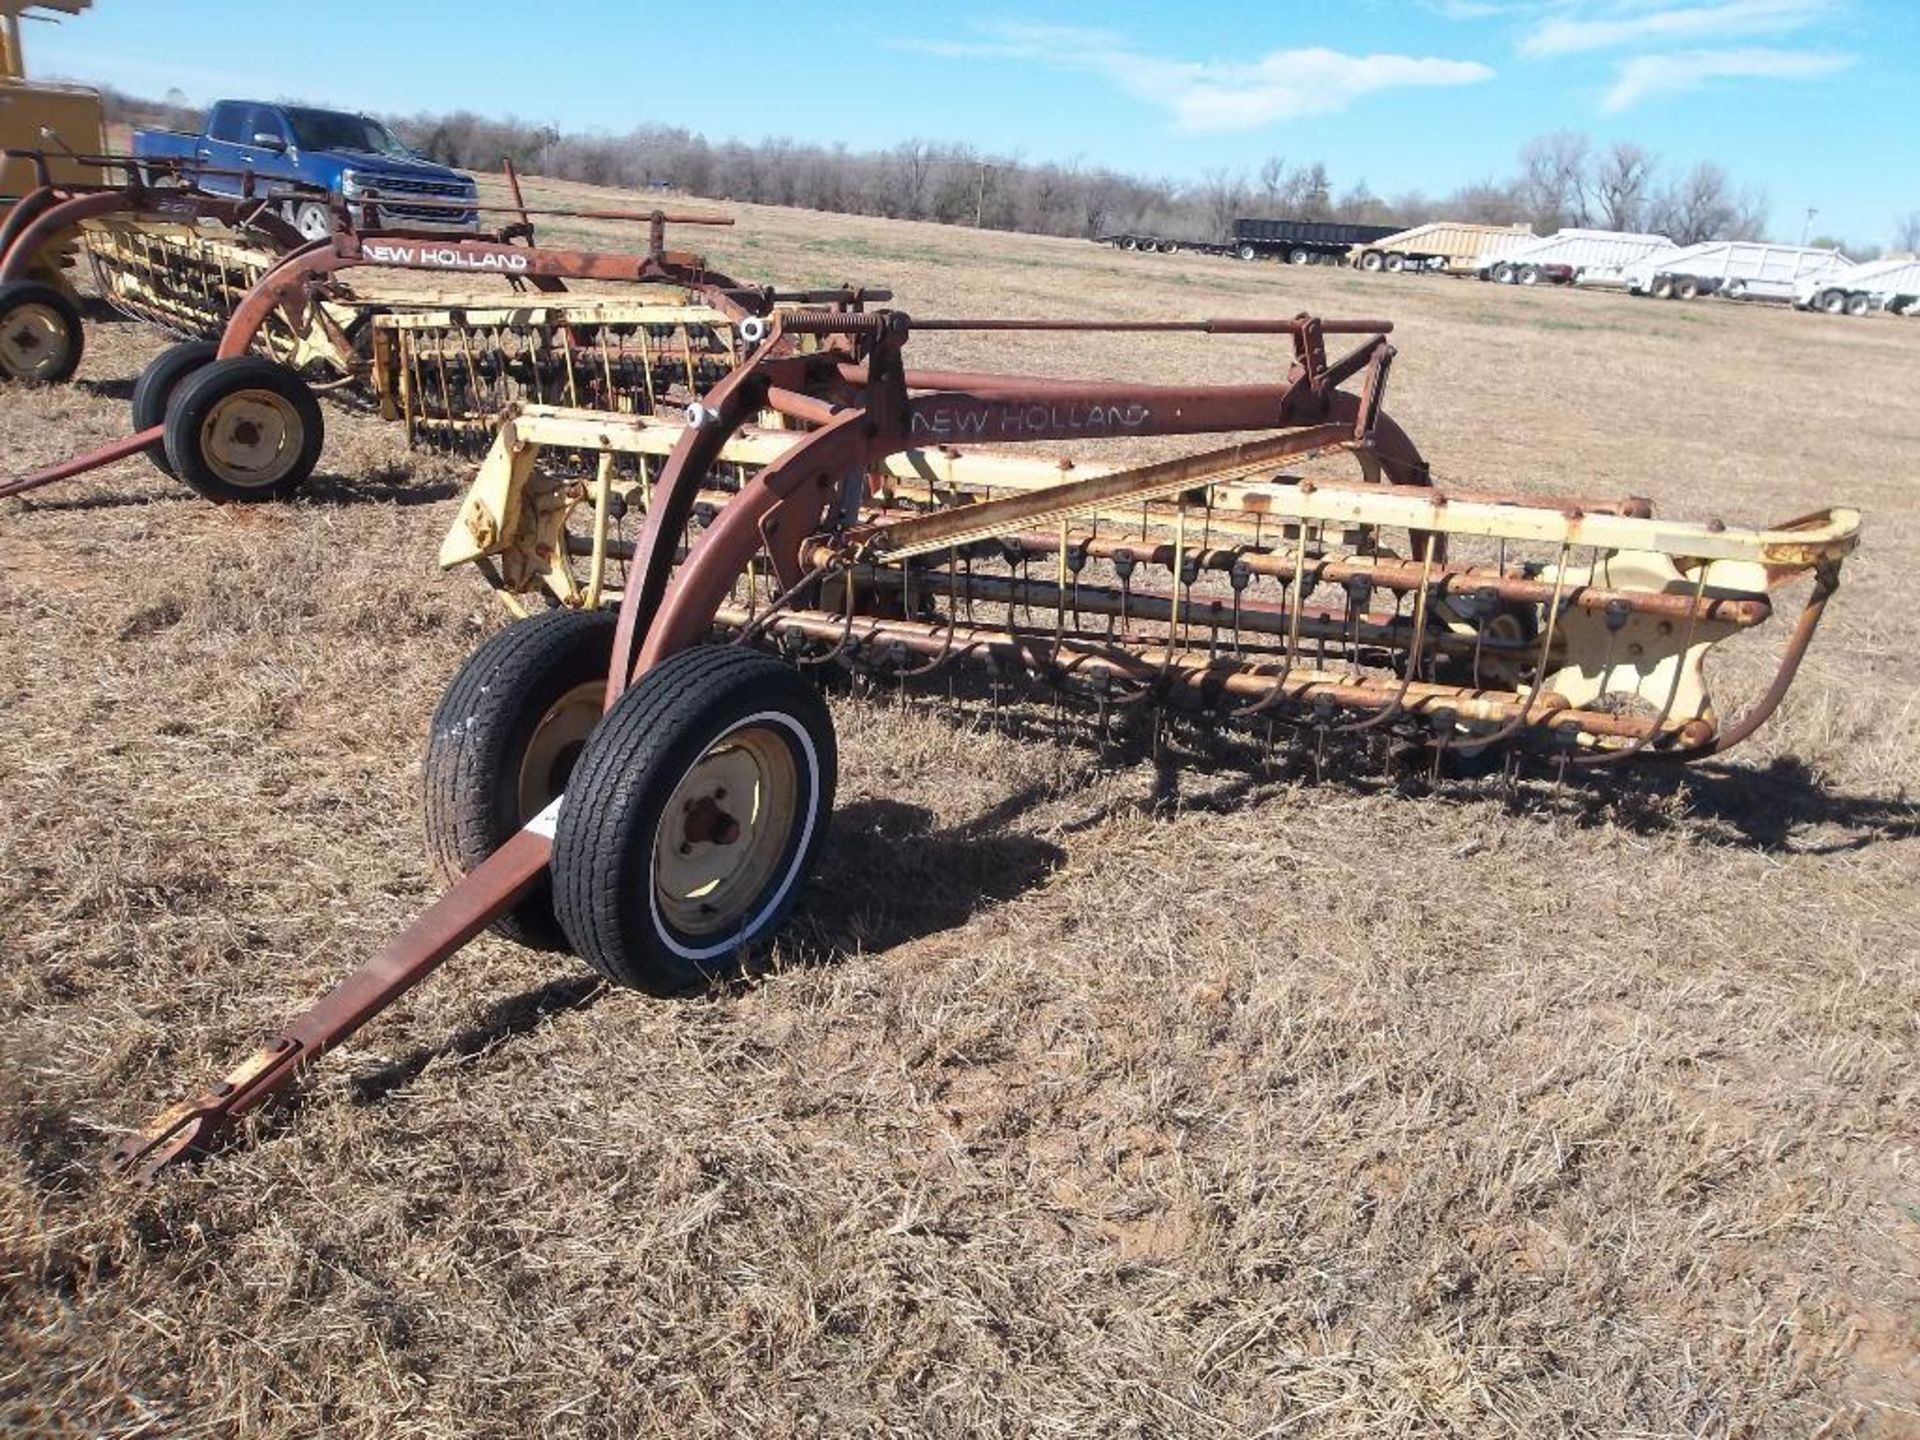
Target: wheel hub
33,341
251,437
723,832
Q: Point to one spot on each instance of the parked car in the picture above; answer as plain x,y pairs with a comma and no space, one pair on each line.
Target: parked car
351,158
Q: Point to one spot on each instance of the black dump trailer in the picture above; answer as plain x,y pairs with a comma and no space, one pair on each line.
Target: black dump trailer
1302,242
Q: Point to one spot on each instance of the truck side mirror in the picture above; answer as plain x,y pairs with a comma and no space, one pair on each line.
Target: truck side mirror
268,141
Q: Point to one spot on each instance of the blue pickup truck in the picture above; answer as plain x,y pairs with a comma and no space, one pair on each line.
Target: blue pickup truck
351,157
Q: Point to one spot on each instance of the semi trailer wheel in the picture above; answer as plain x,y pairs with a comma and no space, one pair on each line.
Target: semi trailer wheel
505,739
1247,252
40,336
692,817
1859,305
1299,257
1127,242
1503,273
1529,275
156,385
1396,263
1687,288
1168,247
1662,287
1372,260
243,429
1834,302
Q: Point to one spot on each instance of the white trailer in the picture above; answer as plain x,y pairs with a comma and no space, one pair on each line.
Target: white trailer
1451,245
1737,269
1586,257
1890,285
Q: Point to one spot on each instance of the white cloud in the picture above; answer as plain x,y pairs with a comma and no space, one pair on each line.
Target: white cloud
1666,24
1648,76
1204,96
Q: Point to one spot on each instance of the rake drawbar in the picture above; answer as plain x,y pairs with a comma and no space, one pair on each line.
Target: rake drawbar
820,502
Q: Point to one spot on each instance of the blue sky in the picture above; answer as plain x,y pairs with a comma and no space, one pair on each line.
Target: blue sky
1810,99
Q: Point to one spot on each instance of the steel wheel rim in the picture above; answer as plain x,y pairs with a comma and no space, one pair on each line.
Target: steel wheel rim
250,438
34,342
724,832
312,223
555,747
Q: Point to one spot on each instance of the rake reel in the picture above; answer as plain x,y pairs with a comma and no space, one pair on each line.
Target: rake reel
647,784
443,357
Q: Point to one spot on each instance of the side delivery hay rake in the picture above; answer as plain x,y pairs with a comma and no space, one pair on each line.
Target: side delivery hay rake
238,421
648,784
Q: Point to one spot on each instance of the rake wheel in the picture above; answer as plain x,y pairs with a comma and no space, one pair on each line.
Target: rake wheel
40,336
243,430
505,739
692,817
156,385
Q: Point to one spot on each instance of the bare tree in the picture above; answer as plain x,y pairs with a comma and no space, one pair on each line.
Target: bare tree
1906,232
911,170
1703,206
1273,181
1620,184
1553,179
1224,195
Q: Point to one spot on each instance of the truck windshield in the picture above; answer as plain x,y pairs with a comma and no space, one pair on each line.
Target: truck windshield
337,130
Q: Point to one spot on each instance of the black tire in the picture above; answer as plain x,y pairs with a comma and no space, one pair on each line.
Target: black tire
156,385
1834,302
1530,275
1298,256
1129,243
1686,288
1167,247
41,339
1396,262
244,430
506,737
1372,260
312,219
1859,305
1247,252
620,816
1503,273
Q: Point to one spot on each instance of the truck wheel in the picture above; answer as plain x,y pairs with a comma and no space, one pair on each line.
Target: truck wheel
1688,288
313,220
1834,302
1861,304
1503,273
505,739
1396,263
1168,247
692,816
243,429
156,385
41,341
1247,252
1529,275
1372,260
1298,257
1127,242
1662,287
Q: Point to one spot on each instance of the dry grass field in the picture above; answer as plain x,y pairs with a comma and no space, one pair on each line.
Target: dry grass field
1084,1095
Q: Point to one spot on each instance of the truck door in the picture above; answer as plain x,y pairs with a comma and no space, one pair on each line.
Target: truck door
245,137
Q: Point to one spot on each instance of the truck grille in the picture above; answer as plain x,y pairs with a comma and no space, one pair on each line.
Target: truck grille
393,210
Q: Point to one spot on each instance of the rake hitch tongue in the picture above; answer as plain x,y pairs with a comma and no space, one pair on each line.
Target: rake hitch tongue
195,1126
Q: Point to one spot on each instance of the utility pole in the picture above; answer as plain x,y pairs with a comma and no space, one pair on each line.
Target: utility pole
1806,231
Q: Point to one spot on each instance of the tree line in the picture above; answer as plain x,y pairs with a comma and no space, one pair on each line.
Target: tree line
1559,180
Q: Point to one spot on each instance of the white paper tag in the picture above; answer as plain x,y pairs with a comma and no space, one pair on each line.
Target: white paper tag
543,823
